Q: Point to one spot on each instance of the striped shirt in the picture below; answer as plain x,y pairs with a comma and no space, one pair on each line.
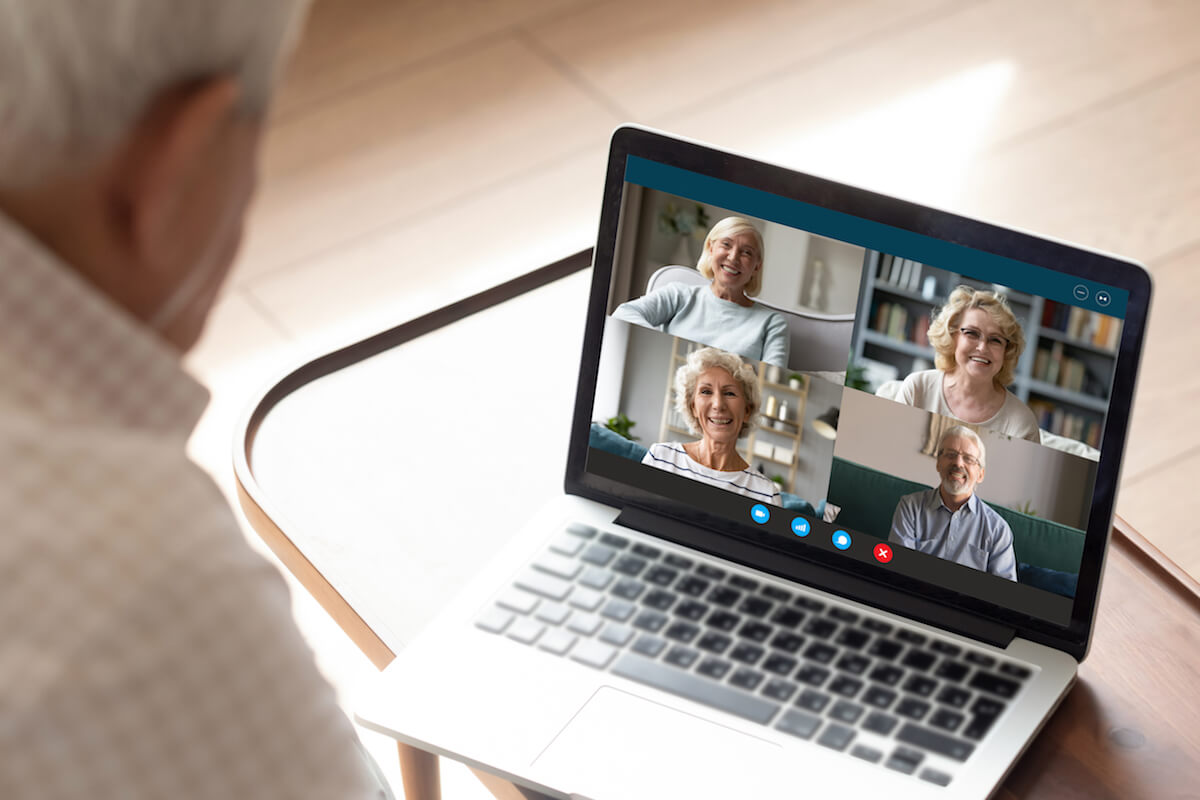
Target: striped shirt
671,457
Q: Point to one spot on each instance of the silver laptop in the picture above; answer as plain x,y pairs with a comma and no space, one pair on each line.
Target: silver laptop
838,492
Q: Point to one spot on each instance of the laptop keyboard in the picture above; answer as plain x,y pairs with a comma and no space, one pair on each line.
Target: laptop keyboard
803,665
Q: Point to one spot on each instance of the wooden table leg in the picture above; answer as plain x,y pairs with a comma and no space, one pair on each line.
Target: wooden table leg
420,773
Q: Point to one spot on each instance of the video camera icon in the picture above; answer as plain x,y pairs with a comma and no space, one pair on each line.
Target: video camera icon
760,513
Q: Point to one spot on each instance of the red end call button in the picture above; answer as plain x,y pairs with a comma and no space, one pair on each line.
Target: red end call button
883,553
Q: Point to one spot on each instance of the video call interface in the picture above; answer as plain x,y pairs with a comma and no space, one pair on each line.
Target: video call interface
933,410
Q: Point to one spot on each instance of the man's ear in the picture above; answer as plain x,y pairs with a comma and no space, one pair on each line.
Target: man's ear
162,158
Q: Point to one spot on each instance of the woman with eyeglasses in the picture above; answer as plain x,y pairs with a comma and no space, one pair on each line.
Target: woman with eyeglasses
977,341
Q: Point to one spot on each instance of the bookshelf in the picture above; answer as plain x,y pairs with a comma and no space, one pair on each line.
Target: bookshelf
773,446
1064,374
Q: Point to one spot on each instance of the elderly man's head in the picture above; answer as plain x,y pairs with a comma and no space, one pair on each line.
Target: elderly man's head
129,132
961,461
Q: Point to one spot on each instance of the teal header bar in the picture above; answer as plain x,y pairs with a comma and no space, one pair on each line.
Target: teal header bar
982,266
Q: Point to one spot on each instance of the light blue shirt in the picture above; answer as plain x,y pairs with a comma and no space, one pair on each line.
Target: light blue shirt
974,536
695,313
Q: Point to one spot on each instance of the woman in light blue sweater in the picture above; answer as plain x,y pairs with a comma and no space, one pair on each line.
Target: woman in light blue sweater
721,314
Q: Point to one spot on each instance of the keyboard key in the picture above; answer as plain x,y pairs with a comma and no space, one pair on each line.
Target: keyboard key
659,599
845,685
853,663
885,649
543,584
695,687
646,551
787,617
593,653
984,712
596,578
692,586
629,565
946,719
812,675
935,777
878,697
808,603
953,696
723,596
495,620
945,648
820,653
756,607
612,540
935,742
677,561
953,671
683,632
980,659
746,653
715,668
649,645
649,620
779,664
912,708
515,600
779,689
691,609
587,599
553,613
557,641
619,610
845,711
660,575
994,684
787,642
581,530
710,572
797,723
755,631
525,630
598,554
905,759
559,565
746,678
584,624
567,545
742,582
866,753
911,637
886,674
843,614
852,638
714,642
723,620
616,635
920,660
876,625
820,627
775,593
836,737
920,685
813,700
628,588
682,657
1015,671
878,722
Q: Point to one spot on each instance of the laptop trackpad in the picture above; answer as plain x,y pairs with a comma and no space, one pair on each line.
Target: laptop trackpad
621,745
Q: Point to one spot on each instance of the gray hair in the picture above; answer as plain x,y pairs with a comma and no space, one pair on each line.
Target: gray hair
75,75
966,433
699,362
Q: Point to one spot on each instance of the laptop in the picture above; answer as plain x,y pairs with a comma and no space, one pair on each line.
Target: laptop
777,568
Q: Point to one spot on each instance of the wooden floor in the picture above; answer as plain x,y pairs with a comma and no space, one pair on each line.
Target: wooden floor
423,150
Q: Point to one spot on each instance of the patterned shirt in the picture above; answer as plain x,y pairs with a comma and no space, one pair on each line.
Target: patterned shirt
671,457
974,535
145,650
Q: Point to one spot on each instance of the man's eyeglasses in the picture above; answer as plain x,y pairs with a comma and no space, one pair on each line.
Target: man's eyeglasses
954,455
973,335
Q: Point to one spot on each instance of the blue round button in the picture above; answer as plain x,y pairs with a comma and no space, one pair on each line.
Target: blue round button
800,526
760,513
841,540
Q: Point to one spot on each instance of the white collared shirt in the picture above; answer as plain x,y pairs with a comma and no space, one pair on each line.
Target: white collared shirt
145,650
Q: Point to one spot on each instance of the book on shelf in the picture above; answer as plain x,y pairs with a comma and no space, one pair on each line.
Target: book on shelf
1060,421
1053,366
1082,326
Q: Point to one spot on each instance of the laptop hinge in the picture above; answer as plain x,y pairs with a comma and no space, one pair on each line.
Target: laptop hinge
793,568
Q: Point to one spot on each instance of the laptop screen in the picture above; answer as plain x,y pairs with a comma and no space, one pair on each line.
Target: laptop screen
906,395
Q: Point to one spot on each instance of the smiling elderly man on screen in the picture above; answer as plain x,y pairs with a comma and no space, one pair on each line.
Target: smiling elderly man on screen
950,521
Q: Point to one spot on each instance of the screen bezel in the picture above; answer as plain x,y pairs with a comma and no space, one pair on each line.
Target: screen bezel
766,553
